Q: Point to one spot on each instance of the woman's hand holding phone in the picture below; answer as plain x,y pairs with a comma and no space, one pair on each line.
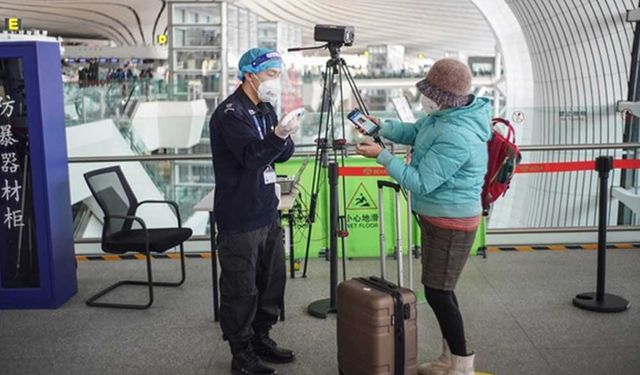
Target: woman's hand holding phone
374,119
365,124
363,131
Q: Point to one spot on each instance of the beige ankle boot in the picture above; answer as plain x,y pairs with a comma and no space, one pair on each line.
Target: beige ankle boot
462,365
440,366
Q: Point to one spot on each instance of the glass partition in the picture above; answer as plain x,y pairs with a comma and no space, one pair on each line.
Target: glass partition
193,13
195,47
535,200
204,61
197,36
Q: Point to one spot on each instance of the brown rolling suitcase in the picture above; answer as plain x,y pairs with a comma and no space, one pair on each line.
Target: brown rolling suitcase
372,340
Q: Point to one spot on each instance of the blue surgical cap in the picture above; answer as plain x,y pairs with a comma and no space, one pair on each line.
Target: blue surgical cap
258,60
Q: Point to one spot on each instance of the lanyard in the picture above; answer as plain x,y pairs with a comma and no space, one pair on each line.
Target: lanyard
262,130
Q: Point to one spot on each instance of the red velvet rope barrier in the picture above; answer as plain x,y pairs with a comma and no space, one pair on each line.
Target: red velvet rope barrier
522,168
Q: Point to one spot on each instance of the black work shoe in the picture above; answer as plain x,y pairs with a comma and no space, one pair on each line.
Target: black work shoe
269,351
246,362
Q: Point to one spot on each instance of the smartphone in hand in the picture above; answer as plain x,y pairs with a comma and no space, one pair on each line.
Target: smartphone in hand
362,122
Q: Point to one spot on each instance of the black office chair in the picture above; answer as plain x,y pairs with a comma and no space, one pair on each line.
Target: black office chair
114,195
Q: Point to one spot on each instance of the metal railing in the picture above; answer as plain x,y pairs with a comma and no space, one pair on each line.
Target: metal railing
351,151
589,147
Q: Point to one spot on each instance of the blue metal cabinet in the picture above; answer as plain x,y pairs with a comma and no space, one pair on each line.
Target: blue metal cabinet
37,261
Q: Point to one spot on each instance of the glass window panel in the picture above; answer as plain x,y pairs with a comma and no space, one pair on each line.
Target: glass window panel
197,14
253,29
243,30
232,16
179,36
233,48
267,30
198,36
210,82
232,40
271,44
183,173
197,60
180,16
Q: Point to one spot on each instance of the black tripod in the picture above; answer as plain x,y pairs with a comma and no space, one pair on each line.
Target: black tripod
326,141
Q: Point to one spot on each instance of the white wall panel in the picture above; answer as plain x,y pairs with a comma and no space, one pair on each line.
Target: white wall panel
581,54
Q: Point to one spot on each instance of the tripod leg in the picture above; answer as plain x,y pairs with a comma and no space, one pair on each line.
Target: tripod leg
345,215
312,208
317,169
306,255
354,88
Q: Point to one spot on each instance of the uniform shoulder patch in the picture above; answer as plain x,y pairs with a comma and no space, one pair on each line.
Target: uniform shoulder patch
229,108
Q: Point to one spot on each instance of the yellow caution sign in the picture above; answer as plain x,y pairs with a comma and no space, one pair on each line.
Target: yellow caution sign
12,24
162,39
361,200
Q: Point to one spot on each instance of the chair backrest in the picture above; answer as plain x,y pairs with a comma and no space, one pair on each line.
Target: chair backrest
114,195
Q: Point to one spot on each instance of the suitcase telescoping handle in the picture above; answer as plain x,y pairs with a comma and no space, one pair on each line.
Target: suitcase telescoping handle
389,184
398,250
381,239
410,218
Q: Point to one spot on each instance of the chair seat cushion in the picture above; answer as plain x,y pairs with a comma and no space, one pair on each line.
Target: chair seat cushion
160,240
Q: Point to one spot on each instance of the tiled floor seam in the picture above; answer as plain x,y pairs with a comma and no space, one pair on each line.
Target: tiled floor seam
493,290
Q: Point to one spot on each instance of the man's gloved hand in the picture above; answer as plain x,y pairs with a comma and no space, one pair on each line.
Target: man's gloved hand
294,125
281,131
285,130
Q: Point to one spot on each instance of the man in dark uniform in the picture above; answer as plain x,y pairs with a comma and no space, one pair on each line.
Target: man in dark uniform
246,141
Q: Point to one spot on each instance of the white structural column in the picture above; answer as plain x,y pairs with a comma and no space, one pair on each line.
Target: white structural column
518,79
513,47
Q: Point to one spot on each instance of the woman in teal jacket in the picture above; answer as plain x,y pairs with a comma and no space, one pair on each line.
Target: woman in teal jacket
445,174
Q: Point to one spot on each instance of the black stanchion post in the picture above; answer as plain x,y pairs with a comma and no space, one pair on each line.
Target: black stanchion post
600,301
324,307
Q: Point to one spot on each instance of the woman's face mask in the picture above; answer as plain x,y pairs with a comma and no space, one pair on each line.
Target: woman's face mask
268,91
429,105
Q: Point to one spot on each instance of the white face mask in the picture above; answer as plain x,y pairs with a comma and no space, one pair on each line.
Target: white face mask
428,105
269,91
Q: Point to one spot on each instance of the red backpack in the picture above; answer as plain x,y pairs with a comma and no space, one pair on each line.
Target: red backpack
504,157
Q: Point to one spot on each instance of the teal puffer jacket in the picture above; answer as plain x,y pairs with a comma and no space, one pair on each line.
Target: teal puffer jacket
449,159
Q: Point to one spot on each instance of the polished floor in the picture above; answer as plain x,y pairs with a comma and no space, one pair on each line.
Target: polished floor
517,309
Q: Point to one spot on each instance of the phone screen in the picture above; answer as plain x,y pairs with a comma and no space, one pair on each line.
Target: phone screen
359,119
